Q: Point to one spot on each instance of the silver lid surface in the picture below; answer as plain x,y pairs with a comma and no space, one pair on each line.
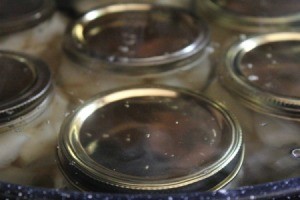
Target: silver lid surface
136,38
264,72
21,14
25,82
150,138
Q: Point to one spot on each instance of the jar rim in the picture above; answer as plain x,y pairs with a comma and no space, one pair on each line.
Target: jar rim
70,149
74,43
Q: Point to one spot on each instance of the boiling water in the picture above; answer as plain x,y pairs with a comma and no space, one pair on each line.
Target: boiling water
28,156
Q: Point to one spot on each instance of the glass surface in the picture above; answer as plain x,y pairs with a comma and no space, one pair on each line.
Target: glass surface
14,9
16,78
156,137
132,34
260,8
274,67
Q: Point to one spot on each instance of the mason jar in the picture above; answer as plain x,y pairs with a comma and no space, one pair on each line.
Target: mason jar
79,7
32,27
150,139
232,19
128,44
31,111
262,74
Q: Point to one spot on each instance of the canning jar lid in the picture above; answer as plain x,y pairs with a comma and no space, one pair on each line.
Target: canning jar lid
253,16
150,138
136,38
24,83
20,14
264,72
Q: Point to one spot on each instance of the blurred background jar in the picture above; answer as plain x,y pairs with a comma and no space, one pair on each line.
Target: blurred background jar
150,139
128,44
31,112
79,7
32,27
232,19
262,73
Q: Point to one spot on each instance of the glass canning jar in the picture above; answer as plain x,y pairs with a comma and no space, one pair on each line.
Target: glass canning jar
262,73
230,19
128,44
79,7
32,27
150,138
31,111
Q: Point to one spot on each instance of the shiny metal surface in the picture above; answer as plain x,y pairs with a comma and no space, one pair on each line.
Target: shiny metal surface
25,83
172,38
162,138
269,83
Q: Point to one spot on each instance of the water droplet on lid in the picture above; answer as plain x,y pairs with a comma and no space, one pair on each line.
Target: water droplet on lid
250,65
269,55
127,104
253,78
263,124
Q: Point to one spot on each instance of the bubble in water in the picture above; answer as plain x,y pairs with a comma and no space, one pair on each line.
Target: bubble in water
243,36
296,153
9,112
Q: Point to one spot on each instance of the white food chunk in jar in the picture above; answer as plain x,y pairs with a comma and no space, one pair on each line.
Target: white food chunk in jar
43,133
11,145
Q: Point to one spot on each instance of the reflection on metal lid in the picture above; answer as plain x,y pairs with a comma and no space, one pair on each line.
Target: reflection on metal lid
249,15
264,72
24,83
20,14
137,37
150,138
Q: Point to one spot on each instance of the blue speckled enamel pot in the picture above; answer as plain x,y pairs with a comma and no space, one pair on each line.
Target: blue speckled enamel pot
286,189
